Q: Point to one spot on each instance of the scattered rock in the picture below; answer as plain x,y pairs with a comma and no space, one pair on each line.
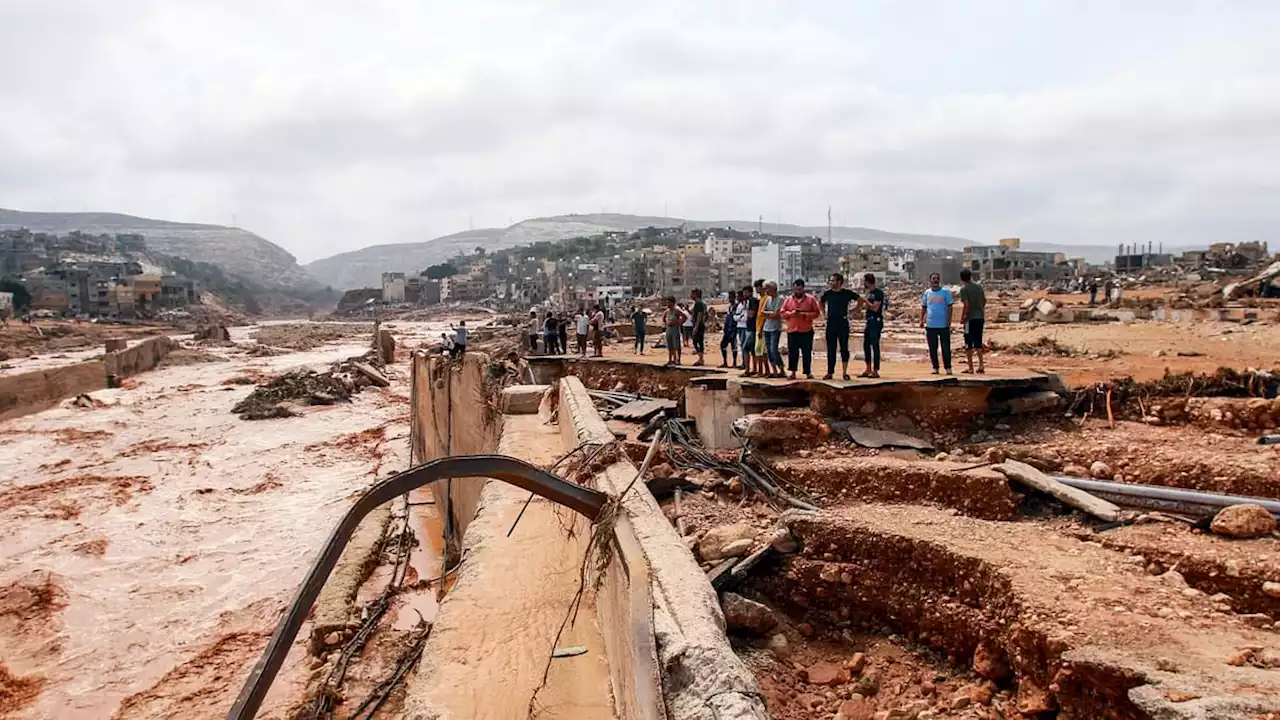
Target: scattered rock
1243,521
780,646
1271,589
743,614
869,684
856,708
977,693
711,546
1079,471
825,673
1033,699
856,663
333,639
989,662
784,542
1100,470
737,548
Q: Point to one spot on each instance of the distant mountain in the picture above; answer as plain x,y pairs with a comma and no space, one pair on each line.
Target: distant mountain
236,251
364,267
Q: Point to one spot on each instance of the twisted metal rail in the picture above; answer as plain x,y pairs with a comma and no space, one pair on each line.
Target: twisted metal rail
583,500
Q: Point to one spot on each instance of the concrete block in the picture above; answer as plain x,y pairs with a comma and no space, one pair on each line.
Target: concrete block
523,399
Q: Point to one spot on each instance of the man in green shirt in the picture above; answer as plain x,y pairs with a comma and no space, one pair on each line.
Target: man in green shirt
972,315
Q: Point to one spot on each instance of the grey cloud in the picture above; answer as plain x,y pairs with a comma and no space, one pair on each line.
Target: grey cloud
325,125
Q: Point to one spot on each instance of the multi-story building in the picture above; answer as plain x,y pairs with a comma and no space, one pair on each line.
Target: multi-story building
865,259
1007,261
394,287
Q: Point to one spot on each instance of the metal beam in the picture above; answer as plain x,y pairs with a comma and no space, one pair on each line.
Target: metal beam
583,500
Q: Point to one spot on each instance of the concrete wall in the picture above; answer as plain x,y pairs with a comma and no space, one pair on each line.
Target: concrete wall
30,392
452,416
141,357
449,417
702,678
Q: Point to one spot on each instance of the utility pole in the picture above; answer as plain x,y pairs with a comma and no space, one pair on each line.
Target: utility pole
760,225
828,224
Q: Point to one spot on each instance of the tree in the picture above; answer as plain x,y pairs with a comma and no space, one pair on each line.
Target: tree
21,298
480,250
440,271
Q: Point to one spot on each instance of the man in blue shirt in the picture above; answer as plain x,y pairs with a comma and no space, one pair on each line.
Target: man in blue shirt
935,318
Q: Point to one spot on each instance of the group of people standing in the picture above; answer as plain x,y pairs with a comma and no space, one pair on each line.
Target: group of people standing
757,316
588,325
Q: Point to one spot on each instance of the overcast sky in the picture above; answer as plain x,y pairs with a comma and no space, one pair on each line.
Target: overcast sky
327,125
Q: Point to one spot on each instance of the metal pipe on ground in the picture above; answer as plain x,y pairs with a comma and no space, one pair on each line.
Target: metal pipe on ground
1179,497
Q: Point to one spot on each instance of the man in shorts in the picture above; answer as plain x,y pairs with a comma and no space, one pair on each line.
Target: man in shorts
973,314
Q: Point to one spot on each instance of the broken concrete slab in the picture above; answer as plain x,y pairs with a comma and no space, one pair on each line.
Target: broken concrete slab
370,372
523,399
1079,499
875,438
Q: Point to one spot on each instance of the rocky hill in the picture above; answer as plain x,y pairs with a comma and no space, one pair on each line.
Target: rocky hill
364,267
236,251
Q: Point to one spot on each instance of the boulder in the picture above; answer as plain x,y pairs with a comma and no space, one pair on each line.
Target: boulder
989,662
712,545
780,646
743,614
1243,521
737,548
1100,470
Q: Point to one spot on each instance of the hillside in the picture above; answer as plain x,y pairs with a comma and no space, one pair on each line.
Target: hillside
364,267
236,251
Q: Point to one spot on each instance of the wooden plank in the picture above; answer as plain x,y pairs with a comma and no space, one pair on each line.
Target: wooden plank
873,438
1079,499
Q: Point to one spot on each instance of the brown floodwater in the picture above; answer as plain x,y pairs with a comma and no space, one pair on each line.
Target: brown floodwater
151,543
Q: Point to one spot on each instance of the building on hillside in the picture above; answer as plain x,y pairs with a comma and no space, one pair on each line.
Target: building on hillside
394,287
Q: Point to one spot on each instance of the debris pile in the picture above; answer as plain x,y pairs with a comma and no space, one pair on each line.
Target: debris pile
308,387
1045,346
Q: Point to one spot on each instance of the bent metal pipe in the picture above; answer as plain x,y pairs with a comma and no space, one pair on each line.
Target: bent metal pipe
582,500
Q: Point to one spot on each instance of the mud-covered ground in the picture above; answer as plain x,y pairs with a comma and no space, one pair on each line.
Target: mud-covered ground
153,537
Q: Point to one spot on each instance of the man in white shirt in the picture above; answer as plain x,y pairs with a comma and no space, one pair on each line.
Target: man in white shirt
581,324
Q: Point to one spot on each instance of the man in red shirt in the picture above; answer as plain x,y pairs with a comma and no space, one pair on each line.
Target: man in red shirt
800,310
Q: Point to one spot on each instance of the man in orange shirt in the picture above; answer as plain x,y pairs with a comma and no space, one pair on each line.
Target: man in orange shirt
800,310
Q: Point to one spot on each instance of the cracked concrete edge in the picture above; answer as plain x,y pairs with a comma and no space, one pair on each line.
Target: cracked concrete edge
702,678
335,608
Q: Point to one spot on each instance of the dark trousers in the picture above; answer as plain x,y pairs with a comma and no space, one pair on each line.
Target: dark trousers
729,342
640,338
549,340
871,344
837,335
800,347
563,336
533,344
936,337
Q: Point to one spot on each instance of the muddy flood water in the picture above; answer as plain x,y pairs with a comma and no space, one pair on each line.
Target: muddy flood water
151,541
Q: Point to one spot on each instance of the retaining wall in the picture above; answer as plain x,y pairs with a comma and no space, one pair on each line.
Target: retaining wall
451,416
702,678
31,392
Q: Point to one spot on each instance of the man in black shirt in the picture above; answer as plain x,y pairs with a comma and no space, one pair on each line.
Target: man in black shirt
835,305
873,301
